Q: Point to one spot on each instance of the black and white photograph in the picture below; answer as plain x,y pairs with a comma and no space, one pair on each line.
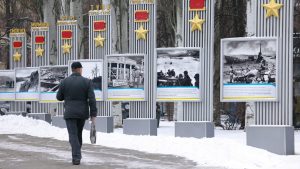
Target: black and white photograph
126,71
252,61
249,69
51,76
93,70
178,68
178,74
27,80
7,81
27,84
7,85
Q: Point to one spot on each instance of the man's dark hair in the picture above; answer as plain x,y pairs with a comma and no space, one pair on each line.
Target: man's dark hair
76,65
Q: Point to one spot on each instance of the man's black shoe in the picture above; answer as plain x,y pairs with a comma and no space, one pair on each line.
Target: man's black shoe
76,162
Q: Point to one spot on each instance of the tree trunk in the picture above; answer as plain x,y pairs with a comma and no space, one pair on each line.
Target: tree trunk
76,10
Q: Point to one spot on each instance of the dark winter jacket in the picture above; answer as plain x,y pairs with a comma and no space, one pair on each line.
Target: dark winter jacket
79,97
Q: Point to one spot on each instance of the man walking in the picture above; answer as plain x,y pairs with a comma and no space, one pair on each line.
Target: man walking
80,104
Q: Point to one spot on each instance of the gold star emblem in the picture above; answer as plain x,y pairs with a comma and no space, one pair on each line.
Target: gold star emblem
272,8
17,57
197,23
99,41
39,52
141,33
66,48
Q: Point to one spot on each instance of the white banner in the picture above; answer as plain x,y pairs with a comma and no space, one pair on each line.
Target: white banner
178,94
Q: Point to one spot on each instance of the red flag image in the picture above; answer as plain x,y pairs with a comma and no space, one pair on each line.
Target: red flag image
66,34
99,25
197,5
39,39
17,44
141,16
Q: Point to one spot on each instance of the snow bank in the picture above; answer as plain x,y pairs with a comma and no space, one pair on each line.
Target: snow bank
228,149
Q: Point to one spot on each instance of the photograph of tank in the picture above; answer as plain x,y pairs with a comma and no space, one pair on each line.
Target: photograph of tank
249,61
51,76
126,71
178,67
27,80
7,81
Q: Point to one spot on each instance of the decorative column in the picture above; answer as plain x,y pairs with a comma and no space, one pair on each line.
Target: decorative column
100,37
142,40
198,28
67,49
18,59
273,130
40,57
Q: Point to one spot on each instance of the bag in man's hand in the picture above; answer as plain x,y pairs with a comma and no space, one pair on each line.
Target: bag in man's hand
93,133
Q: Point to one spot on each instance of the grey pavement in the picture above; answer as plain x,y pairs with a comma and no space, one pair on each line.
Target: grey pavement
26,152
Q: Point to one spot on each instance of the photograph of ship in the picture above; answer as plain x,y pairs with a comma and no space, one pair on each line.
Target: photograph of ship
249,61
93,70
27,79
178,67
126,71
7,81
51,76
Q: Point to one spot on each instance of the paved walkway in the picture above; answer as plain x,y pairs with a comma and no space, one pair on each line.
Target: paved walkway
26,152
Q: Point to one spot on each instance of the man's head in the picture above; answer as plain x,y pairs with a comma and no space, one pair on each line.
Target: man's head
76,67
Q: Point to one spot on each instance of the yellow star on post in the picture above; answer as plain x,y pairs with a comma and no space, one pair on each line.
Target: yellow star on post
66,48
39,52
17,57
99,41
141,33
272,8
197,23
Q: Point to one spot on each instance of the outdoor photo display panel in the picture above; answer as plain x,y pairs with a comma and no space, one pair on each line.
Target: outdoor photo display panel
178,74
27,84
7,85
125,78
249,69
50,78
93,70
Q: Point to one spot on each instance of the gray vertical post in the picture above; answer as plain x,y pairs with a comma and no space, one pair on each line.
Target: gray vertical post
18,35
40,57
100,27
198,117
273,130
67,34
141,119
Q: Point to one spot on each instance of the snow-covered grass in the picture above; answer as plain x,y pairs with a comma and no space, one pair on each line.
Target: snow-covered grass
227,149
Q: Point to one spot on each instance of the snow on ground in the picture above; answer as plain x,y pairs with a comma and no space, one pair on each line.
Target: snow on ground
227,149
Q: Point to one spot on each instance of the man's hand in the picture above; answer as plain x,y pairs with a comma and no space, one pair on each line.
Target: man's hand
93,120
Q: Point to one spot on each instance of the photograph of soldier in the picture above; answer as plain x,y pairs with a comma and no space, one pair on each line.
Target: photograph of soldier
249,62
7,81
93,70
126,71
50,77
27,80
178,67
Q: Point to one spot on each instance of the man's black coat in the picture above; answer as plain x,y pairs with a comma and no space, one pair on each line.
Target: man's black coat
79,97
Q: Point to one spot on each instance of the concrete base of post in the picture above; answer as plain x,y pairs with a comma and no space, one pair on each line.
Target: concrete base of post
59,121
194,129
276,139
140,127
103,124
41,116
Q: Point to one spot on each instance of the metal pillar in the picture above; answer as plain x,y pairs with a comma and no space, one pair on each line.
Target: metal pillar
273,130
67,49
18,36
100,27
198,116
142,114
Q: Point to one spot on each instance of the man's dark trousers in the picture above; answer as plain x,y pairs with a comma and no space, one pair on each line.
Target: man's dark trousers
75,127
